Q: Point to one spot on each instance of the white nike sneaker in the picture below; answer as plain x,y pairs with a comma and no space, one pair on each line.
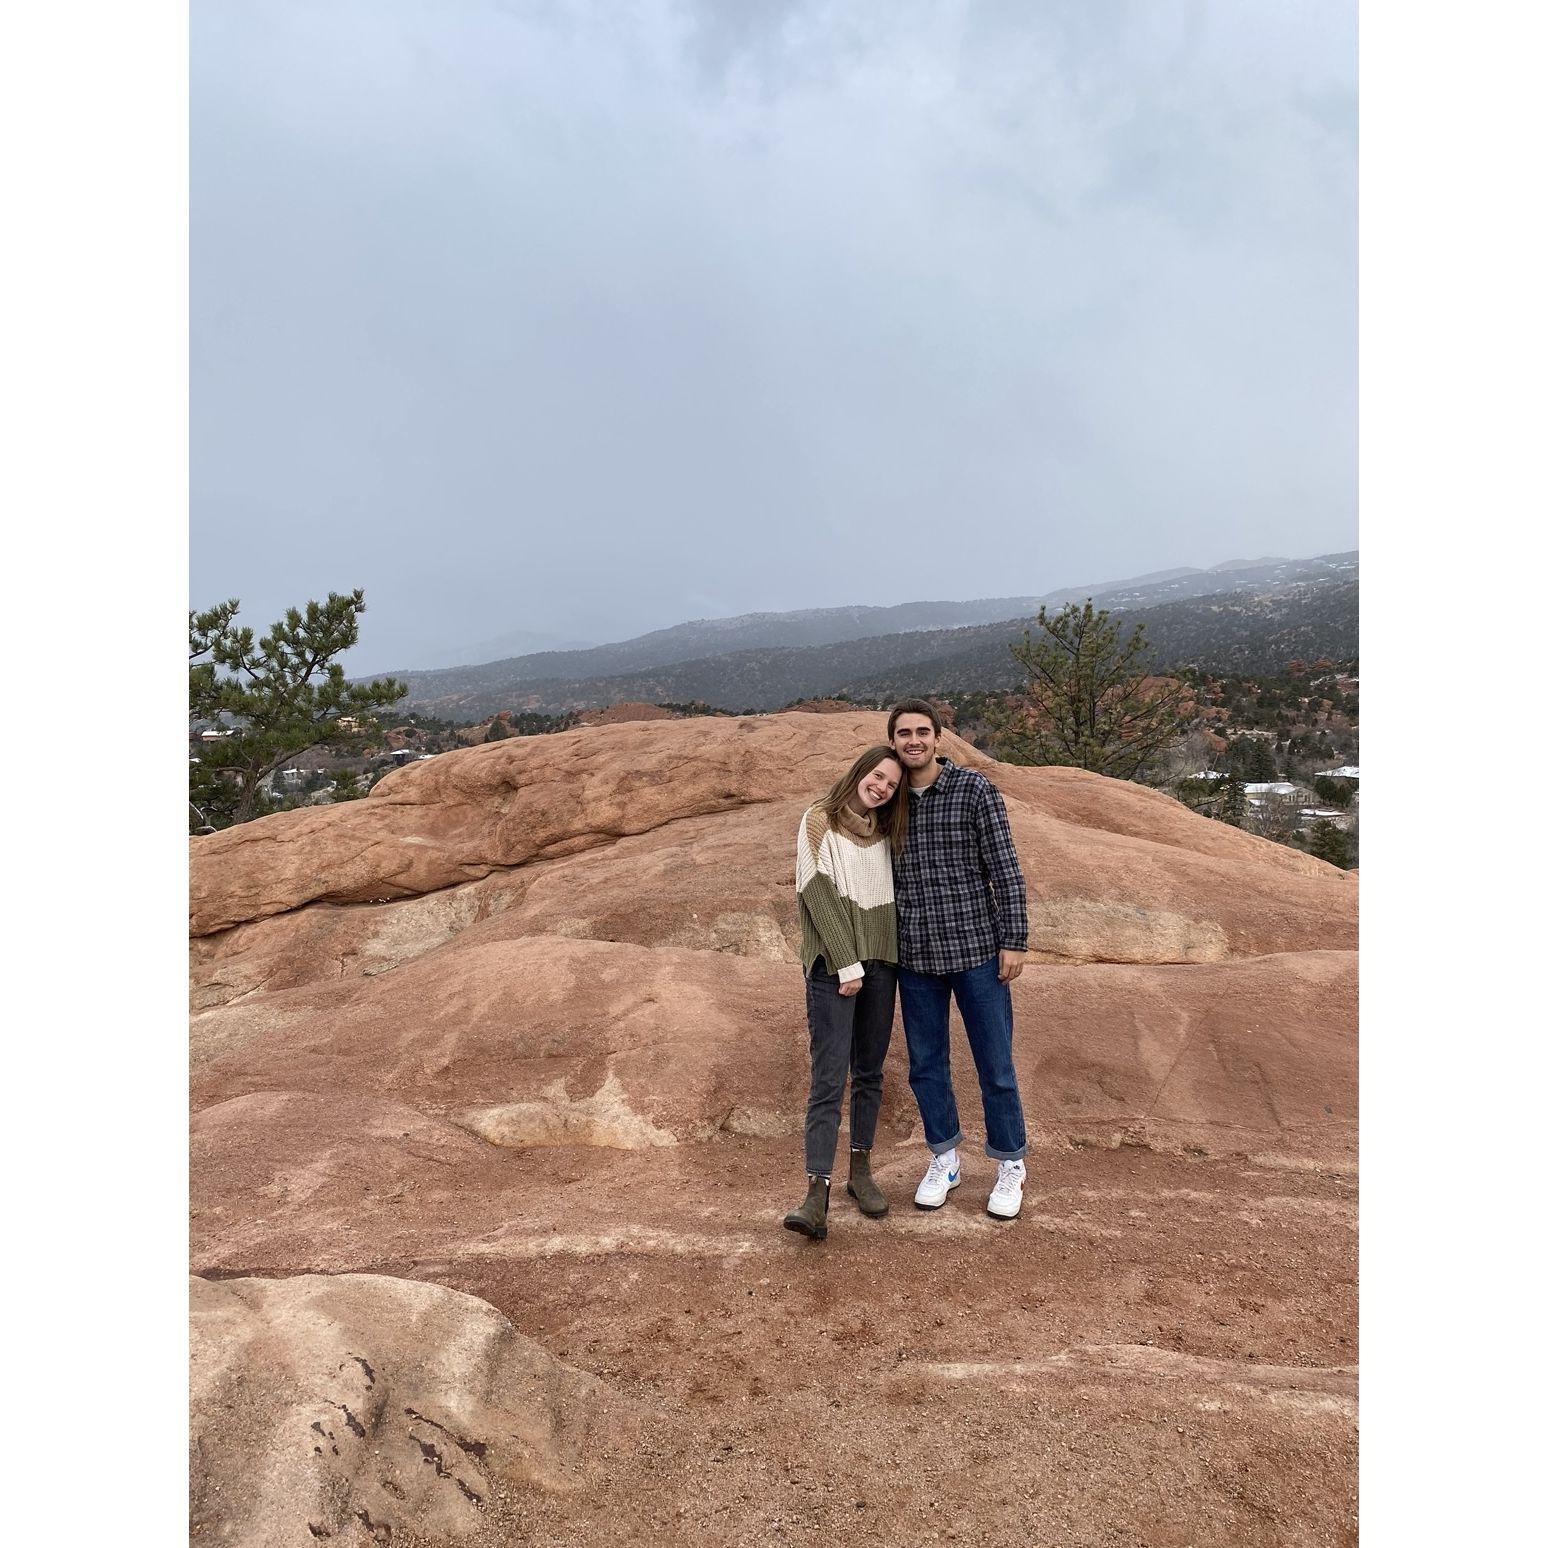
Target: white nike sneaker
1005,1201
941,1176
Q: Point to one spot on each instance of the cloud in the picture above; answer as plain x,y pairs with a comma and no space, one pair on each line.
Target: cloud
563,316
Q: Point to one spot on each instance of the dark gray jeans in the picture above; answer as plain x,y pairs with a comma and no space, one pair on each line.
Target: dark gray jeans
849,1037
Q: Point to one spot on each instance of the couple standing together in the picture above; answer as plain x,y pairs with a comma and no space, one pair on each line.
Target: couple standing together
909,889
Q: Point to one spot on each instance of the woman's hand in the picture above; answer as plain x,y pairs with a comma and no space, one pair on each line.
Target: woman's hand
852,987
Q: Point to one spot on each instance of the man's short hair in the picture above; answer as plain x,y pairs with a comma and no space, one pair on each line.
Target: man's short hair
913,707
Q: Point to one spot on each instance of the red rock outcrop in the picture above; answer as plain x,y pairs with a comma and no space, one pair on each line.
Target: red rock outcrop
725,882
527,1022
823,707
626,711
363,1408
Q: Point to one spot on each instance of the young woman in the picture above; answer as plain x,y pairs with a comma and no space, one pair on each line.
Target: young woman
849,949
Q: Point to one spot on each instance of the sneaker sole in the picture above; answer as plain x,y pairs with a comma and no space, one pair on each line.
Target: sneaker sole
949,1191
995,1214
870,1214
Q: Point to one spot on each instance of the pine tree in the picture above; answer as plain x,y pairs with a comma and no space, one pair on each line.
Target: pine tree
1327,841
1233,801
283,694
1088,702
350,784
1261,766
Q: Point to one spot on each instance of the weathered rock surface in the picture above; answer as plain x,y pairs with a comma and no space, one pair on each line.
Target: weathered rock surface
455,818
563,1067
611,1043
363,1409
1116,873
626,710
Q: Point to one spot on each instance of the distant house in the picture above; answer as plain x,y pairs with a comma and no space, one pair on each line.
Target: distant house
1339,819
1281,789
1349,771
1270,797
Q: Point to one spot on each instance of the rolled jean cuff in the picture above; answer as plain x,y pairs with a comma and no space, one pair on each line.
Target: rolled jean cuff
1005,1155
945,1145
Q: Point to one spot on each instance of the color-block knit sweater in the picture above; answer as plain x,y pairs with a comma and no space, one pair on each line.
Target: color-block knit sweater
844,889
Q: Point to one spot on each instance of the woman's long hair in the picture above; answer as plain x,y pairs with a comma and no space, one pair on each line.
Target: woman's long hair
892,818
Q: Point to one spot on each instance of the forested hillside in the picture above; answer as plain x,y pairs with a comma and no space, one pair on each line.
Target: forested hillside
1238,631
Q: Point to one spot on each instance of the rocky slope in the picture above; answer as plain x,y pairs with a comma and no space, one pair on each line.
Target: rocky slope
526,1025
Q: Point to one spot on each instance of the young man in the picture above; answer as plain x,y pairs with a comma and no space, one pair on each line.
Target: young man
962,931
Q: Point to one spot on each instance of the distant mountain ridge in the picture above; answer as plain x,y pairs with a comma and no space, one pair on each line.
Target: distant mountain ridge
514,680
1245,620
529,641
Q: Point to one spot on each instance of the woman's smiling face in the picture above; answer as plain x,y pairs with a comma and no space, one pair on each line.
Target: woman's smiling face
877,788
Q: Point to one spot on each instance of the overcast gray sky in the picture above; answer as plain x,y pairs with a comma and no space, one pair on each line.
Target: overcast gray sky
588,318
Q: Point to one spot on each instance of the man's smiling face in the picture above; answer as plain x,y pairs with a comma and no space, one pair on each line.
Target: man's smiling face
913,739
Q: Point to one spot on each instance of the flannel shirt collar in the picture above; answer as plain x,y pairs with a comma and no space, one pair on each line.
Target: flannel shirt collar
948,768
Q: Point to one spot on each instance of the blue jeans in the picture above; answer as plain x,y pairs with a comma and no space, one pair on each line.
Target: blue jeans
985,1004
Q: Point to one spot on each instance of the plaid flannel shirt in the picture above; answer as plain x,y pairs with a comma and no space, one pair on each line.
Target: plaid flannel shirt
961,898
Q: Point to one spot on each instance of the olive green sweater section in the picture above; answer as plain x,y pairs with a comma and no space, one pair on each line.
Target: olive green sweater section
844,893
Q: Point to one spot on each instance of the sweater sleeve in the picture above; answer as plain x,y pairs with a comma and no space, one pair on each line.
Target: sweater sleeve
820,897
997,856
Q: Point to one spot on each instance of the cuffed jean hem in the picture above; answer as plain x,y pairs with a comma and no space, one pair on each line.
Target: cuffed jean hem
985,1004
945,1145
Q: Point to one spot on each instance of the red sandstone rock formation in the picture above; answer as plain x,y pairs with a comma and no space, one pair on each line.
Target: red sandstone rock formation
627,711
527,1022
327,1407
824,707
